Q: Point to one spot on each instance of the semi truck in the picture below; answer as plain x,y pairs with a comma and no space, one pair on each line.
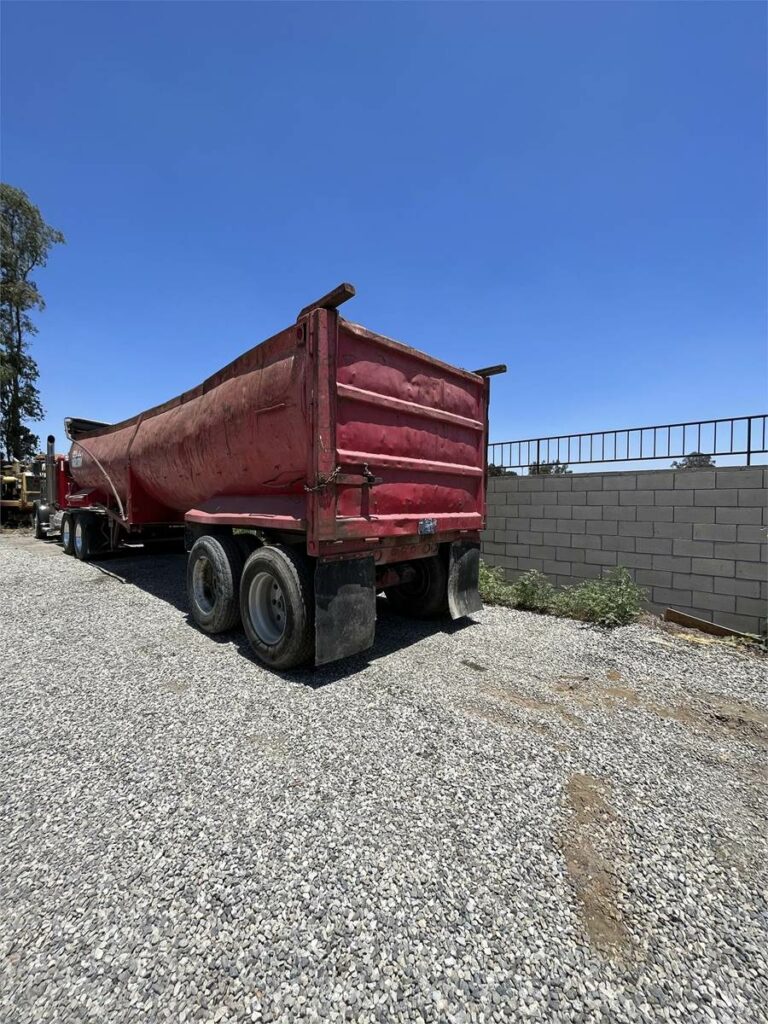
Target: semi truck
322,467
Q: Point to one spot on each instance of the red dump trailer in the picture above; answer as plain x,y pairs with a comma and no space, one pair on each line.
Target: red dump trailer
323,466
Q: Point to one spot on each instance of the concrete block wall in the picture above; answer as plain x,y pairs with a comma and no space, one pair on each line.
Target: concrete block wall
696,540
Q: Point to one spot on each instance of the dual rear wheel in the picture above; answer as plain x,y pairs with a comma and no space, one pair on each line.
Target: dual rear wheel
269,589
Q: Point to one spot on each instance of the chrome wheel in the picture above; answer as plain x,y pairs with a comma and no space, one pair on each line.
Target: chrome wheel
266,608
204,585
66,532
79,537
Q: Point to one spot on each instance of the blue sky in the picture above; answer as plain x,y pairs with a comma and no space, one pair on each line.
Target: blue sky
577,190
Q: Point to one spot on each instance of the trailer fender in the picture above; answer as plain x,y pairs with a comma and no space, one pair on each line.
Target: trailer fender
464,579
345,607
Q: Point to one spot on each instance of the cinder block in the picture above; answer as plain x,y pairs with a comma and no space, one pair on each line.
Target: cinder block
572,498
741,588
636,497
675,530
517,523
494,523
714,566
625,481
745,623
534,511
586,570
637,529
557,539
671,597
571,526
677,498
601,557
599,527
745,552
564,511
542,525
694,514
622,513
741,478
655,514
653,479
618,543
586,541
602,497
714,532
752,534
751,571
702,548
653,578
654,545
636,561
524,498
672,564
504,536
714,602
588,482
717,497
570,554
686,581
694,479
530,563
542,551
587,512
741,515
531,483
529,537
493,548
517,550
547,497
558,483
749,606
554,568
752,498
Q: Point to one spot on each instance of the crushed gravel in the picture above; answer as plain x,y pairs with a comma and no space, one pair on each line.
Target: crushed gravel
511,818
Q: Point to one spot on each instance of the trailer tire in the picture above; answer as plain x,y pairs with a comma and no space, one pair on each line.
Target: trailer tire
67,533
214,567
277,605
85,542
425,597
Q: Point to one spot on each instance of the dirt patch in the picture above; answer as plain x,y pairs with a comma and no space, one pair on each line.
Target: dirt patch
588,870
175,686
711,714
527,703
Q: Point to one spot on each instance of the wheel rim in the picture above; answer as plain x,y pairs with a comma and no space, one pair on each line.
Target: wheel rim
79,538
66,533
266,608
418,587
204,585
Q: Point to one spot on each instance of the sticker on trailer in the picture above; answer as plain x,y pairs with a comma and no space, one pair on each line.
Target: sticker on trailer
427,526
76,460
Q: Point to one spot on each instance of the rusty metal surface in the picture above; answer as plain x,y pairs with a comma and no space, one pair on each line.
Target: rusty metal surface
326,428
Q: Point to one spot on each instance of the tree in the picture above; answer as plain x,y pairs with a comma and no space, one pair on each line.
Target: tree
494,470
694,460
556,468
25,240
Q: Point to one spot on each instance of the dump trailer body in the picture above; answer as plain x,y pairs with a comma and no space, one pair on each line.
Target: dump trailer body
351,443
325,428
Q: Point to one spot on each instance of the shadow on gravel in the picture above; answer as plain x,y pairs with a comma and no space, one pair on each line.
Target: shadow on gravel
163,576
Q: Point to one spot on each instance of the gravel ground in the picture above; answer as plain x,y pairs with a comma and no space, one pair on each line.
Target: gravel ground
517,817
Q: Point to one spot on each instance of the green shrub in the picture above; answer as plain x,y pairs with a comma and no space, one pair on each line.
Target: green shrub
533,592
613,600
494,589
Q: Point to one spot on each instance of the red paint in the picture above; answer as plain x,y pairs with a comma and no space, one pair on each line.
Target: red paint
324,400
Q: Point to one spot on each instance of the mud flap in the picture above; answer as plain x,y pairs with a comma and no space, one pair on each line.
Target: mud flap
345,608
464,579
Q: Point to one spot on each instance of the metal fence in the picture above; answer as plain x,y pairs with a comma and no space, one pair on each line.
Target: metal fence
734,436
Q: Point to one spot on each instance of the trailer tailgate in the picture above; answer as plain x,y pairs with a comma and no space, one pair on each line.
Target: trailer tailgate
418,426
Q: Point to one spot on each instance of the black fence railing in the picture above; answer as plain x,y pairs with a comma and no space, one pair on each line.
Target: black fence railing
737,435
